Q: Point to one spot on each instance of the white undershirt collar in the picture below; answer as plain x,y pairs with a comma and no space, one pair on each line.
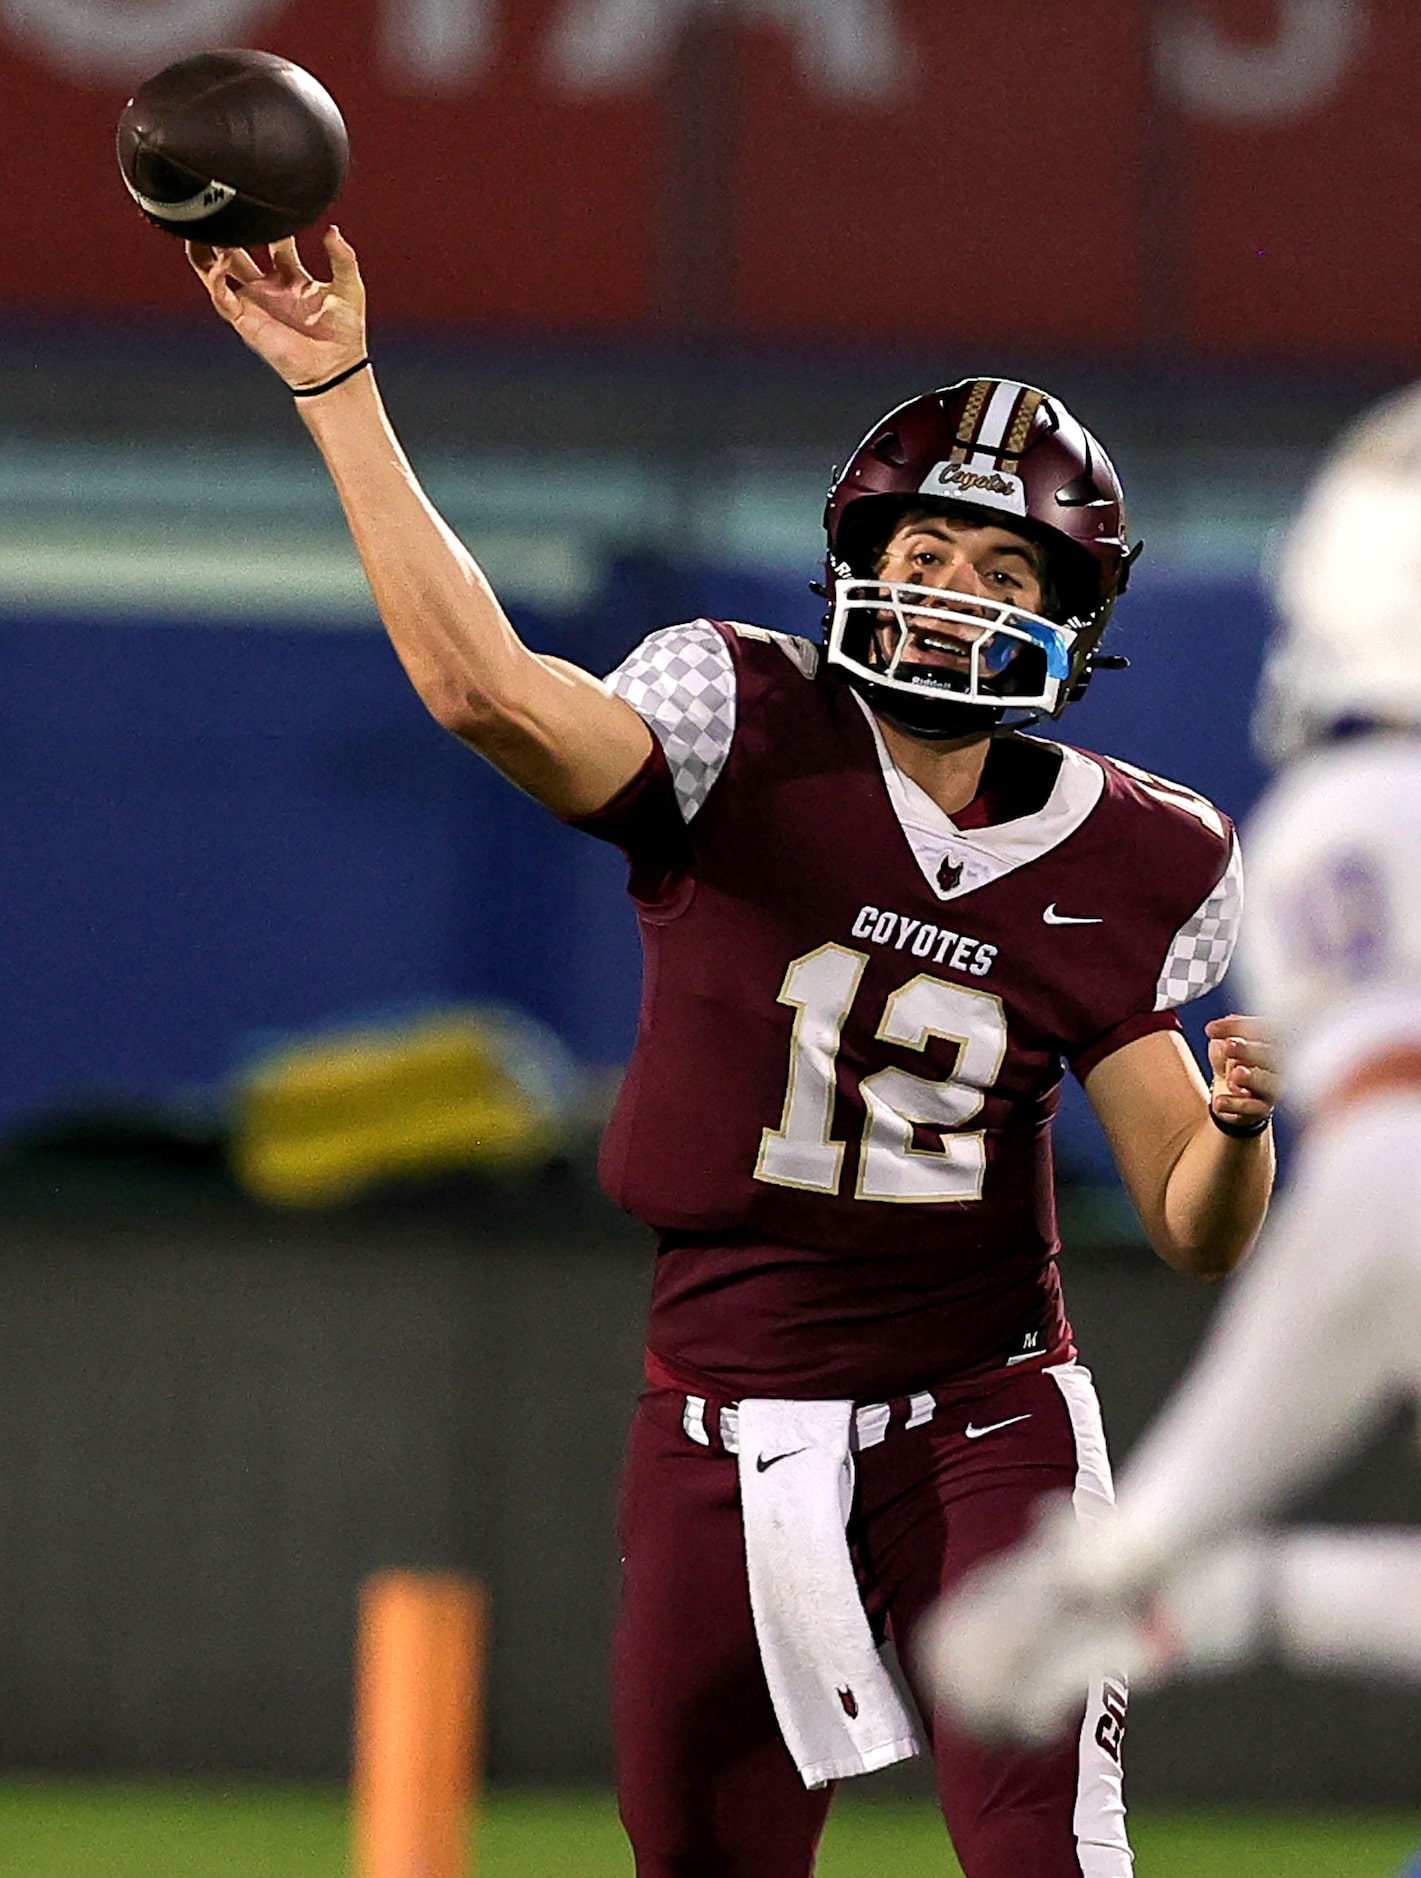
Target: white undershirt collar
985,854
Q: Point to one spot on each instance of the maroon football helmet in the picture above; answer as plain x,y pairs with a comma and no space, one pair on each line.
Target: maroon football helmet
1017,457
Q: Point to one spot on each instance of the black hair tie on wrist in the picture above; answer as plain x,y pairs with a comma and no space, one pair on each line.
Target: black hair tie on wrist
1240,1131
314,391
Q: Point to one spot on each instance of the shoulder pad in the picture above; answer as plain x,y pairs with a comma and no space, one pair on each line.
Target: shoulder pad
801,653
1175,796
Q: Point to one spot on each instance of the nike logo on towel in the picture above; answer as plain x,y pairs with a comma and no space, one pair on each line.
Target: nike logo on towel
974,1433
1053,918
763,1462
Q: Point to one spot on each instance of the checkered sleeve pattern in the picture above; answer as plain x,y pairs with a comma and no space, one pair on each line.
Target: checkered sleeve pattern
681,680
1200,951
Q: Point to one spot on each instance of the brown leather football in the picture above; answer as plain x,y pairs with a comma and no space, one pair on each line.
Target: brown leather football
236,148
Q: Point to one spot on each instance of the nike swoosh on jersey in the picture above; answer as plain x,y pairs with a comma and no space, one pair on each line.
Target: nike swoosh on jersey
1053,918
974,1433
763,1461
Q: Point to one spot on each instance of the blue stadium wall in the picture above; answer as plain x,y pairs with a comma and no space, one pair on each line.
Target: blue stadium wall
212,834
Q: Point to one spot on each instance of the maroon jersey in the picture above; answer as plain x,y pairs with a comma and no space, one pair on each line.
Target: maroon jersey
856,1011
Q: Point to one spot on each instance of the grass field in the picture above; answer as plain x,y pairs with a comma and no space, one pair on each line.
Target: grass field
55,1829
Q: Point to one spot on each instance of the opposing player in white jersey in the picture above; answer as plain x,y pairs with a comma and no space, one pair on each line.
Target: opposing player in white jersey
1322,1334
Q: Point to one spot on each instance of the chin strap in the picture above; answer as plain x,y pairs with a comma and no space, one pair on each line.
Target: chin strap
953,720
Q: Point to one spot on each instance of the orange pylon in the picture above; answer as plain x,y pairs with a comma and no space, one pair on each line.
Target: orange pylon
418,1723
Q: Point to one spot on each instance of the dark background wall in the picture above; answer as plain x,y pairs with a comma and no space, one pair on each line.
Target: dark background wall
217,1421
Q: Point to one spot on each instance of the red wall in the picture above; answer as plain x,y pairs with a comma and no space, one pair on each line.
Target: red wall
997,196
1027,176
1301,236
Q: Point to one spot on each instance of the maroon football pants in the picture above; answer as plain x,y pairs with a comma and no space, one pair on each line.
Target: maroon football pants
707,1786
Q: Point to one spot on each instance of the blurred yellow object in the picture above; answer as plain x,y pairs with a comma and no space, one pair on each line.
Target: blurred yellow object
321,1117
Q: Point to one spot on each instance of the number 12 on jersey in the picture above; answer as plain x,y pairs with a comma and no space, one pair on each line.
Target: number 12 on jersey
821,987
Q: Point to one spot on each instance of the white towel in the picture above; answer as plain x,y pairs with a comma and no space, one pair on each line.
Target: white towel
836,1706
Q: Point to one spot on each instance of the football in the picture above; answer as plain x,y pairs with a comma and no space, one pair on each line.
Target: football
236,148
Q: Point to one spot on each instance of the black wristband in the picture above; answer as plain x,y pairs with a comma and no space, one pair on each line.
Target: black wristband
314,391
1240,1131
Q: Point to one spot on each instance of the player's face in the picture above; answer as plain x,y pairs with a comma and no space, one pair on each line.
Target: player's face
977,560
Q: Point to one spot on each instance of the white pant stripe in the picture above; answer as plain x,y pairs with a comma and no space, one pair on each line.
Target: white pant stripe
1101,1842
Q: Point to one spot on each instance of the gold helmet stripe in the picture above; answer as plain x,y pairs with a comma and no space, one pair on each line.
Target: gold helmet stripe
971,419
1030,404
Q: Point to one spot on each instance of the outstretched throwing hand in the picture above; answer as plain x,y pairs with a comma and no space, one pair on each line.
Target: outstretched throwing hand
307,330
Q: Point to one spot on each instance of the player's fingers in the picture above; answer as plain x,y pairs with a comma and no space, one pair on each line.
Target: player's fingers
1256,1029
211,273
1260,1081
1261,1084
1256,1080
238,264
286,262
218,268
345,269
1247,1093
1255,1055
1237,1107
206,262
